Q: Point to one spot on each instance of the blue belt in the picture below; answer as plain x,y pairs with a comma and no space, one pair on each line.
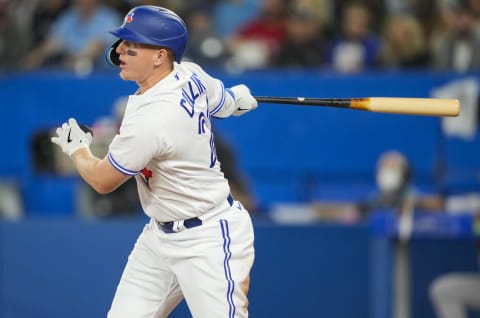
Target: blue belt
168,227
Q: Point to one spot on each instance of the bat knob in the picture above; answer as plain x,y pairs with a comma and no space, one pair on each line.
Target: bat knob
86,129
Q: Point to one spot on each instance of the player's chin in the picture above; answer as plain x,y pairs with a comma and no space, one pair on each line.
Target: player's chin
124,75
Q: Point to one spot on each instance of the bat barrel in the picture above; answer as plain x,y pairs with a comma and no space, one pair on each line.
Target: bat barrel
415,106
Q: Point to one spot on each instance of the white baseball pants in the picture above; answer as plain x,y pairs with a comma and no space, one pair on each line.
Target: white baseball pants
208,265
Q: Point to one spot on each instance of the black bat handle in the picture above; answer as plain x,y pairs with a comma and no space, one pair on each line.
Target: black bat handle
331,102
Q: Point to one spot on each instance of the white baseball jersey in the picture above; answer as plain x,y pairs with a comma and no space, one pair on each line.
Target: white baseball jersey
166,142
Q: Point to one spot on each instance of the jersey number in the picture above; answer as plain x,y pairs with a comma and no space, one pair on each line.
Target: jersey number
190,95
202,122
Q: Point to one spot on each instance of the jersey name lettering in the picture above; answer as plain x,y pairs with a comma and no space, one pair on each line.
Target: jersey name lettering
190,94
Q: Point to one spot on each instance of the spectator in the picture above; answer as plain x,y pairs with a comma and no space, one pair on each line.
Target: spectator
13,46
77,39
425,11
403,45
395,190
22,13
304,43
394,179
321,10
398,7
44,15
229,15
375,8
205,46
458,48
357,47
121,6
255,43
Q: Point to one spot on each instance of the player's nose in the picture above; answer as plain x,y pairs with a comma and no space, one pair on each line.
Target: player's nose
120,48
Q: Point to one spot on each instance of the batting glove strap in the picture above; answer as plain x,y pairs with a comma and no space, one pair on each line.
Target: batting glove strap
244,101
70,137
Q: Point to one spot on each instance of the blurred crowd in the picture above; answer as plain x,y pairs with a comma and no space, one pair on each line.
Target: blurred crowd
236,35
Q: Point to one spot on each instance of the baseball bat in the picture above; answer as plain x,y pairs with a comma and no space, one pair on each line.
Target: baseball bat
86,129
392,105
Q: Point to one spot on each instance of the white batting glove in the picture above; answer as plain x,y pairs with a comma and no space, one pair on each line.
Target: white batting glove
244,101
71,137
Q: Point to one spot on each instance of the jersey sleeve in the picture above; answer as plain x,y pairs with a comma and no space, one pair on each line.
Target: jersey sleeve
226,106
135,146
221,103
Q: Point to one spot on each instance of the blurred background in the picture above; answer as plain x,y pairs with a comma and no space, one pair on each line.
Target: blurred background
356,214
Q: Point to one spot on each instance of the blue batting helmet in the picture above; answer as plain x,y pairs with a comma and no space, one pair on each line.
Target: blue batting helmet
151,25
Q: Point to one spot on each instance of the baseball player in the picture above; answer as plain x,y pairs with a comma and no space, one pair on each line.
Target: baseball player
198,244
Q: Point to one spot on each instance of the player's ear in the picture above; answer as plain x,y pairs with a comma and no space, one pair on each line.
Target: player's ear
160,57
111,55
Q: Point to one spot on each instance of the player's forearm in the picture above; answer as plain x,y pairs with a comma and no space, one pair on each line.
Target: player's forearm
89,168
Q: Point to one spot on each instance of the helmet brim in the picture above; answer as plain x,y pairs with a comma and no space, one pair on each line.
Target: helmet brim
129,35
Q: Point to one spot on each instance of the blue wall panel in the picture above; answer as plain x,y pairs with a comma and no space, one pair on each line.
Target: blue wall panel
65,268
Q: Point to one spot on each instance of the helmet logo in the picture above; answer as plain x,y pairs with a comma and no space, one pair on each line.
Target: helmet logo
129,18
